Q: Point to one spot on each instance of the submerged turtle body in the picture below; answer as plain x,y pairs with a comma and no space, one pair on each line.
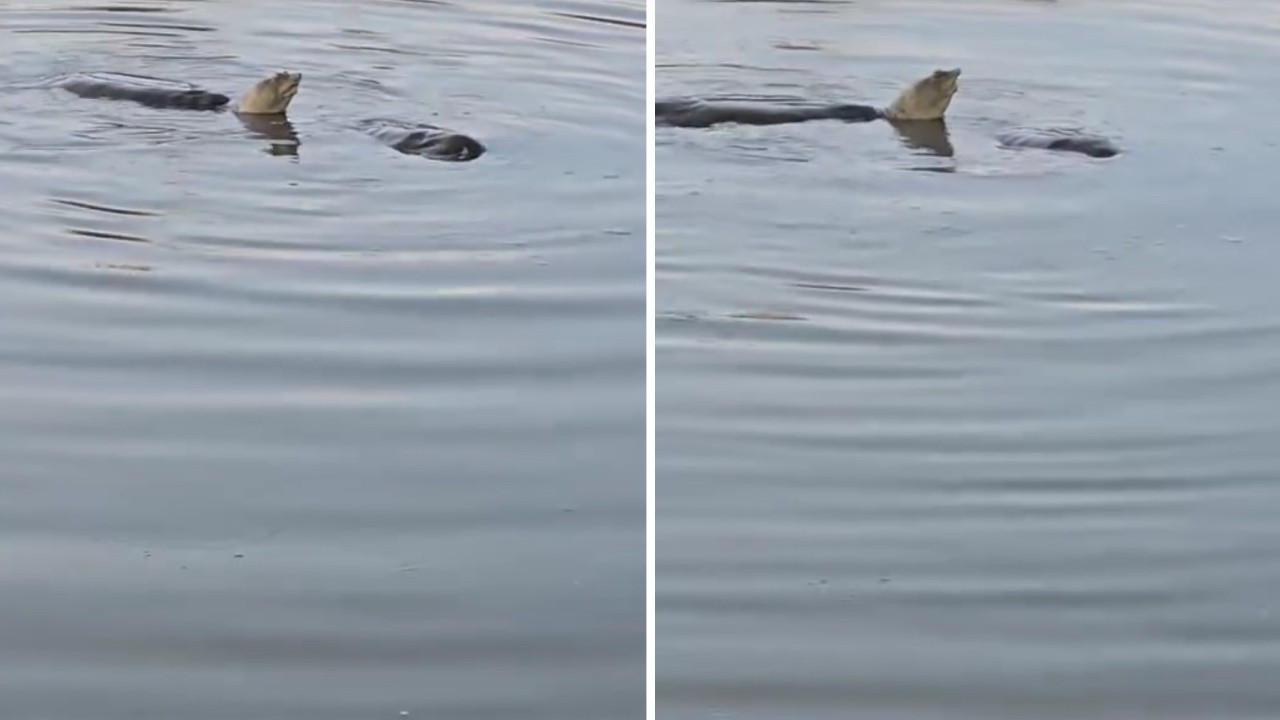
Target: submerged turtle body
152,92
704,113
925,99
1056,139
429,141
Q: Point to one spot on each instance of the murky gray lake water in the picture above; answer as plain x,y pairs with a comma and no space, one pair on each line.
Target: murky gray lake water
323,431
992,441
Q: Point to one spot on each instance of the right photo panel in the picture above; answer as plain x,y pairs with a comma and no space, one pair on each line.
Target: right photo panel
968,361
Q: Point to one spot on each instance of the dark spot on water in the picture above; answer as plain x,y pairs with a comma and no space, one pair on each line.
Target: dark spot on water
598,19
767,315
166,26
104,235
104,208
797,46
829,286
118,8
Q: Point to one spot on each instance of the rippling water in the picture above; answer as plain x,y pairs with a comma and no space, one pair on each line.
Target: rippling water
991,442
323,431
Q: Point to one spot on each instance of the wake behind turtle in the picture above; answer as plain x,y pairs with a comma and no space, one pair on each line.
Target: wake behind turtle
918,113
263,108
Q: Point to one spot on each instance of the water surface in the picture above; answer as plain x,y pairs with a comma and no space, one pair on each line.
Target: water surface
312,429
994,440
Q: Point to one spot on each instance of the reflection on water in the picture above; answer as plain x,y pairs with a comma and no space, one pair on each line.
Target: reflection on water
927,135
277,130
293,426
992,441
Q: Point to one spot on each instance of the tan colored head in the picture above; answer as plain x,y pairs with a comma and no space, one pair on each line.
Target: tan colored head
271,96
927,98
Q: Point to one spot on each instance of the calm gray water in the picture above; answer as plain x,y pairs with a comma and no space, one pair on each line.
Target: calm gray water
331,433
993,441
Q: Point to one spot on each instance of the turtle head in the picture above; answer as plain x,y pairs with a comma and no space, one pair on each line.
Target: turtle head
270,96
926,98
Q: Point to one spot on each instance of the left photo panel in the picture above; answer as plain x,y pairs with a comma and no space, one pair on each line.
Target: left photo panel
322,370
